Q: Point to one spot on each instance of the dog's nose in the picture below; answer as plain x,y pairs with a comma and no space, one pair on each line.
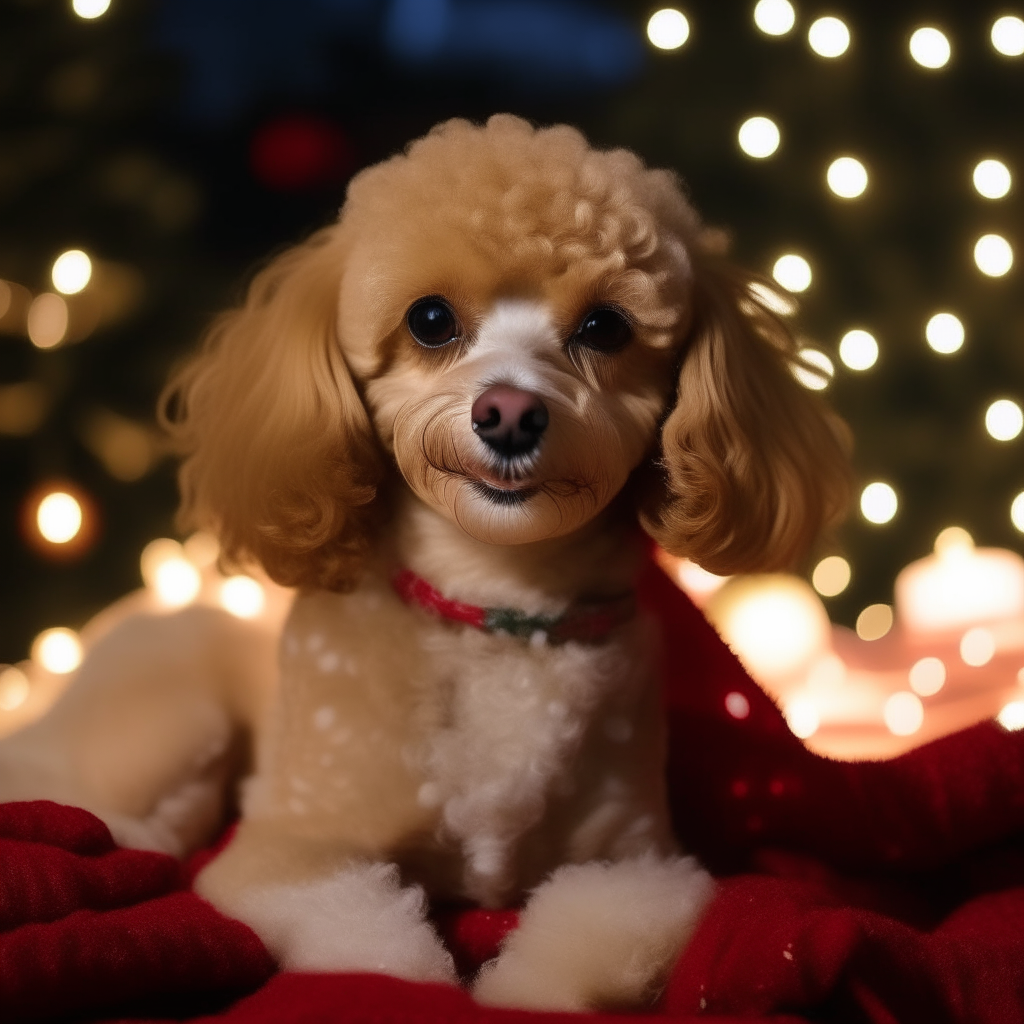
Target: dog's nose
509,420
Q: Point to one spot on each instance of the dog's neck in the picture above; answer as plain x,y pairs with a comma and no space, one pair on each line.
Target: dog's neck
599,560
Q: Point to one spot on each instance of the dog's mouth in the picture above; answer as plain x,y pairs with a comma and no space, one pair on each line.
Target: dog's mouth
505,497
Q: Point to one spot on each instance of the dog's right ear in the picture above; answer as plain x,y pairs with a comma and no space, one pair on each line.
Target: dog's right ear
280,458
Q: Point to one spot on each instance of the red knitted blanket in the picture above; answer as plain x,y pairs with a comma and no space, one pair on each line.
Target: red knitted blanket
876,892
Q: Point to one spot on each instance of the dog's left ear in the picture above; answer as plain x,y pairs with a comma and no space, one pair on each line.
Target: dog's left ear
752,465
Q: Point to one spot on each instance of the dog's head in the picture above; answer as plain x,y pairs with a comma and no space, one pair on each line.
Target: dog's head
520,324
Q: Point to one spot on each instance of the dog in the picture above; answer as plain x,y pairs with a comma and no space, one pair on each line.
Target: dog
451,421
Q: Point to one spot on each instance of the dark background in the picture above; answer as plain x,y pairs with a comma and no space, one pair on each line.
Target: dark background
180,143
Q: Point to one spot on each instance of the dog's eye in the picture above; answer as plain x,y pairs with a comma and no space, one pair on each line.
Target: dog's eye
432,322
604,329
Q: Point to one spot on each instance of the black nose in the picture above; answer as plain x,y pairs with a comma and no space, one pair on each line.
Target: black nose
509,420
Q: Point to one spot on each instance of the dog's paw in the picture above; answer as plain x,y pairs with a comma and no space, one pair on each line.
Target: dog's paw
359,919
598,936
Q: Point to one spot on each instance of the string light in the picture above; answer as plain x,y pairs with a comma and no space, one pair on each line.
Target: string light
1011,716
930,48
774,17
878,503
242,596
819,374
668,29
847,177
874,622
1004,419
14,688
47,321
792,272
71,272
89,9
759,137
829,37
944,333
1008,36
58,650
992,179
903,714
59,517
1017,512
858,350
927,676
977,647
993,255
831,576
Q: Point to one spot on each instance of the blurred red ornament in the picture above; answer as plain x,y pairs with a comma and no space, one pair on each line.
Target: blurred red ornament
298,152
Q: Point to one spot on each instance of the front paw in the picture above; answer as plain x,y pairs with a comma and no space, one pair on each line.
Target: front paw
598,936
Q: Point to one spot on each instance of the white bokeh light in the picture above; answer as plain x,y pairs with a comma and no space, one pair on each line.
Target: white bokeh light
1004,420
847,177
831,576
801,717
167,571
242,596
992,179
930,48
977,646
903,713
874,622
47,321
818,374
858,350
58,650
71,272
927,676
1017,512
759,137
1008,36
90,9
993,255
878,503
792,272
14,688
829,37
668,29
774,17
944,333
59,517
1011,716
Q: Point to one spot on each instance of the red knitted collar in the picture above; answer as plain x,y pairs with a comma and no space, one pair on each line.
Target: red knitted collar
588,622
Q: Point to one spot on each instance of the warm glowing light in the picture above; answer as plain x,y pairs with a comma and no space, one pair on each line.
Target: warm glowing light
993,255
166,570
774,17
792,272
59,517
817,375
71,271
858,350
1004,419
992,179
90,9
847,177
14,688
878,503
698,582
874,622
831,576
58,650
1011,717
668,29
801,717
759,137
776,624
953,542
977,646
903,713
242,596
829,37
737,705
944,333
202,549
47,321
772,299
1008,36
1017,512
927,676
930,48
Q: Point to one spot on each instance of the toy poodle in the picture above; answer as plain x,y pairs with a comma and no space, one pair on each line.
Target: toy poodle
449,420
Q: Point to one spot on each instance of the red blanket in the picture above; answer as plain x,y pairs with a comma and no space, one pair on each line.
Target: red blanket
850,892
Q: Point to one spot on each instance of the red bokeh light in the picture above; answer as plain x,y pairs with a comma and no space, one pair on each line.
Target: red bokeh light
299,151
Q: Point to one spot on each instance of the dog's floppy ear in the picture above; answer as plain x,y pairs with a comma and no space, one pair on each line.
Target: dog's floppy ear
280,459
752,464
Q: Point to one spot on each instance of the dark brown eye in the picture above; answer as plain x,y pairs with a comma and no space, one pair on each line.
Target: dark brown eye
604,329
432,322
